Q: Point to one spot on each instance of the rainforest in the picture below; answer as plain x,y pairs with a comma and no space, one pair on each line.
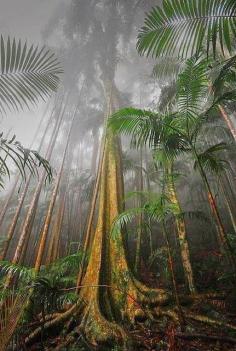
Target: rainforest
117,175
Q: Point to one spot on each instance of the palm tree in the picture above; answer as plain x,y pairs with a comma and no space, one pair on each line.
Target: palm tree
178,132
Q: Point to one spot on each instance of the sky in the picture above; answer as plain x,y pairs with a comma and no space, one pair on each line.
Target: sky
25,19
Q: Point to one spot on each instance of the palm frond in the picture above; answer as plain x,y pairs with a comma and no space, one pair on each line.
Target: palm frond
24,273
137,123
182,28
167,68
23,159
192,87
225,77
26,74
123,219
211,160
66,264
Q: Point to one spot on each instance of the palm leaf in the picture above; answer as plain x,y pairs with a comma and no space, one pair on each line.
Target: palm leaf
26,74
211,161
182,27
24,273
192,87
23,159
167,68
123,219
140,124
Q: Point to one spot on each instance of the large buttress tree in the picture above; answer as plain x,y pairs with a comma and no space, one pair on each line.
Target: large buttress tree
106,284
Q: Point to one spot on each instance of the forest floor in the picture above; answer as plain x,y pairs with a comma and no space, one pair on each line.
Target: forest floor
165,335
209,325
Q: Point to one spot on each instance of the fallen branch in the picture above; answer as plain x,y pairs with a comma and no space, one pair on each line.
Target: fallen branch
206,337
207,320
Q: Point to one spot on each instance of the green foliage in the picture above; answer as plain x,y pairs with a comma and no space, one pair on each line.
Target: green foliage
168,68
26,74
22,158
25,274
192,87
211,161
140,124
183,27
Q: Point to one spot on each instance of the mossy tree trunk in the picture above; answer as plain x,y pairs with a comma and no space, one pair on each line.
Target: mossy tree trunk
181,231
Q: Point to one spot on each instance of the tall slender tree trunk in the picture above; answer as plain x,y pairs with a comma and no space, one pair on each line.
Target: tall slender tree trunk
172,273
48,218
94,152
181,231
140,217
228,121
54,244
14,221
24,193
8,200
228,204
30,213
216,215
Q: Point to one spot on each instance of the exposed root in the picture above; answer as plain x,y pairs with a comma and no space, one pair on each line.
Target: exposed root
98,330
61,318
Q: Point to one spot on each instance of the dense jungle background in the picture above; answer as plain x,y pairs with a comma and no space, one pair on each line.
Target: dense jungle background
117,175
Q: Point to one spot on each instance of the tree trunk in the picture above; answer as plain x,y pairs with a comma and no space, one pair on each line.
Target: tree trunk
181,231
215,212
94,152
48,218
107,266
228,204
172,273
9,197
14,221
31,210
228,121
139,187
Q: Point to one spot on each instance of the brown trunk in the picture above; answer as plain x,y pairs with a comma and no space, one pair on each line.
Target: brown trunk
8,200
57,230
228,121
28,220
14,221
23,195
47,222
